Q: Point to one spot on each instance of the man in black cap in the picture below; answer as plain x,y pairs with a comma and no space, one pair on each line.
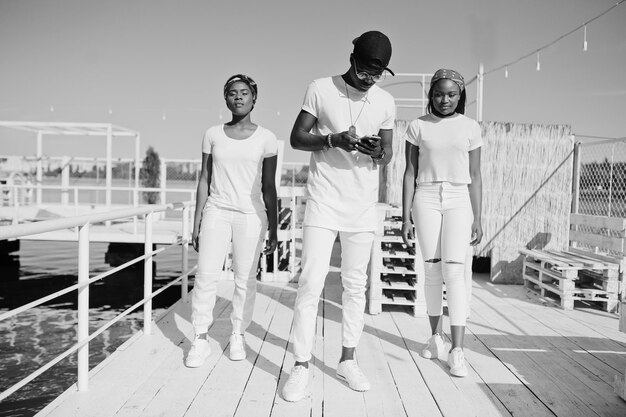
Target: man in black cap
346,122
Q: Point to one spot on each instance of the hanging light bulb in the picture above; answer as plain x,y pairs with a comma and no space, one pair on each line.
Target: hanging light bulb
538,62
506,72
585,38
51,109
110,111
163,117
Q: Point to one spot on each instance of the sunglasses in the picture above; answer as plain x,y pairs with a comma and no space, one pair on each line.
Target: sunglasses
365,76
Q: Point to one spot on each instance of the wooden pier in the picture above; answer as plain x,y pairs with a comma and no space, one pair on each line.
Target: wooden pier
526,358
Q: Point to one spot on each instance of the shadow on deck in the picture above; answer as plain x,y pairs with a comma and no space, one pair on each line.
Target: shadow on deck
525,359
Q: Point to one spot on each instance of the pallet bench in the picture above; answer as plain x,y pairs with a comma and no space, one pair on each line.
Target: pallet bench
590,269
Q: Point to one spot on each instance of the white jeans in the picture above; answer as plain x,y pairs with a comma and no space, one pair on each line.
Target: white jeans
317,246
443,218
217,229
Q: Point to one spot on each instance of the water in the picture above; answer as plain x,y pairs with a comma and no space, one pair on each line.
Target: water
33,338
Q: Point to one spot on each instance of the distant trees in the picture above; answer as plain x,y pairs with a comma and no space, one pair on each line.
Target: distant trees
150,175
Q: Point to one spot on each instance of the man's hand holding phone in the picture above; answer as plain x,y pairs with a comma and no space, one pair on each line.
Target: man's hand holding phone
369,145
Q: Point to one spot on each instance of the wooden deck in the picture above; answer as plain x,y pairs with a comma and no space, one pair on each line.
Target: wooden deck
525,359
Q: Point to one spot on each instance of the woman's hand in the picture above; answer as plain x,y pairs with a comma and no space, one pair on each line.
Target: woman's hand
408,236
272,243
477,233
194,239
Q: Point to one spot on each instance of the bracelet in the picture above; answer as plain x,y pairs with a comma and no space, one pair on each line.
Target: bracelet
379,157
329,142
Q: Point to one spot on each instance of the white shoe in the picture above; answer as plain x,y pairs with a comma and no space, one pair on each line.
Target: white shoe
296,387
237,347
435,348
456,361
350,372
199,352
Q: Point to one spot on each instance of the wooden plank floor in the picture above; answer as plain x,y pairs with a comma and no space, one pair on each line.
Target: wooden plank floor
525,359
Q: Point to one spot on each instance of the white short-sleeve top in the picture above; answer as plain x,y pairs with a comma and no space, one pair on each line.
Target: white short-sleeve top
237,168
444,145
342,187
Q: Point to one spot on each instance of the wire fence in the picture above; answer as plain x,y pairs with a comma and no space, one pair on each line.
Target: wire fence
602,178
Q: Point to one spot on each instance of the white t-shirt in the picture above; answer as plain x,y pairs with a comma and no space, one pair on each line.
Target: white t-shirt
342,188
444,146
237,168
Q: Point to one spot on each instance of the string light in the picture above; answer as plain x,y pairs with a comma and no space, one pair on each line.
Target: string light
163,116
220,116
506,72
536,51
51,109
538,62
110,111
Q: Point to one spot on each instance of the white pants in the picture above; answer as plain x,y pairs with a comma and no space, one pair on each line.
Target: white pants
317,246
443,218
217,229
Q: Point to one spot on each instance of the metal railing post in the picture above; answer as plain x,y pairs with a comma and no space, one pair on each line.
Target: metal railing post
611,179
147,274
576,179
292,244
185,247
83,307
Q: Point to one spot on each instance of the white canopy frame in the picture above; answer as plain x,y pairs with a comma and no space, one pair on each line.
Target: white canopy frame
107,130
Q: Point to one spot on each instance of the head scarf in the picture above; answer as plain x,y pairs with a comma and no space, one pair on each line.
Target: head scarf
448,74
245,79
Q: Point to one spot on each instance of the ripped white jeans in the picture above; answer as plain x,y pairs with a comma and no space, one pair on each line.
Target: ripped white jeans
443,217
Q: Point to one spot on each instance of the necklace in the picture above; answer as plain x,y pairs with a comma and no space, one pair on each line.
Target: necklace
352,128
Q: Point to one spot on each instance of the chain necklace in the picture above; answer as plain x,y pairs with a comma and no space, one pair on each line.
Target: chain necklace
352,128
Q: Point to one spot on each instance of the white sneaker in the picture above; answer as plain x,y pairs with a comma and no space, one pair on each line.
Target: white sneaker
199,352
237,347
435,348
296,387
456,361
350,372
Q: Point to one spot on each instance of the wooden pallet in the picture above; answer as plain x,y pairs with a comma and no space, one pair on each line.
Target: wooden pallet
591,269
393,276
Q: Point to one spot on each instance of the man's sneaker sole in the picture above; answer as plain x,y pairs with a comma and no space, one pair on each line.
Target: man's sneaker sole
198,365
360,389
293,399
462,373
237,357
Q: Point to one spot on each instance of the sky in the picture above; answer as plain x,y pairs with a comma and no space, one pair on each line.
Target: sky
158,66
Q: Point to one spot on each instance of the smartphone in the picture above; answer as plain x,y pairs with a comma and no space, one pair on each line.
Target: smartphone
369,141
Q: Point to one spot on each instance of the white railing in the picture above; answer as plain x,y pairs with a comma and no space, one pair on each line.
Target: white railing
69,167
14,194
83,223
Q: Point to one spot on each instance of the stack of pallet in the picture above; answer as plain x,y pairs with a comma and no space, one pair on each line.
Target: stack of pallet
591,269
394,279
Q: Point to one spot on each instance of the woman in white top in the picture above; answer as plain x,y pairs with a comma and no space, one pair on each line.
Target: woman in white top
236,200
442,189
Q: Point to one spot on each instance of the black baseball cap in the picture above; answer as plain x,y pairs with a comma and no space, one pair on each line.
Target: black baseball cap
373,49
